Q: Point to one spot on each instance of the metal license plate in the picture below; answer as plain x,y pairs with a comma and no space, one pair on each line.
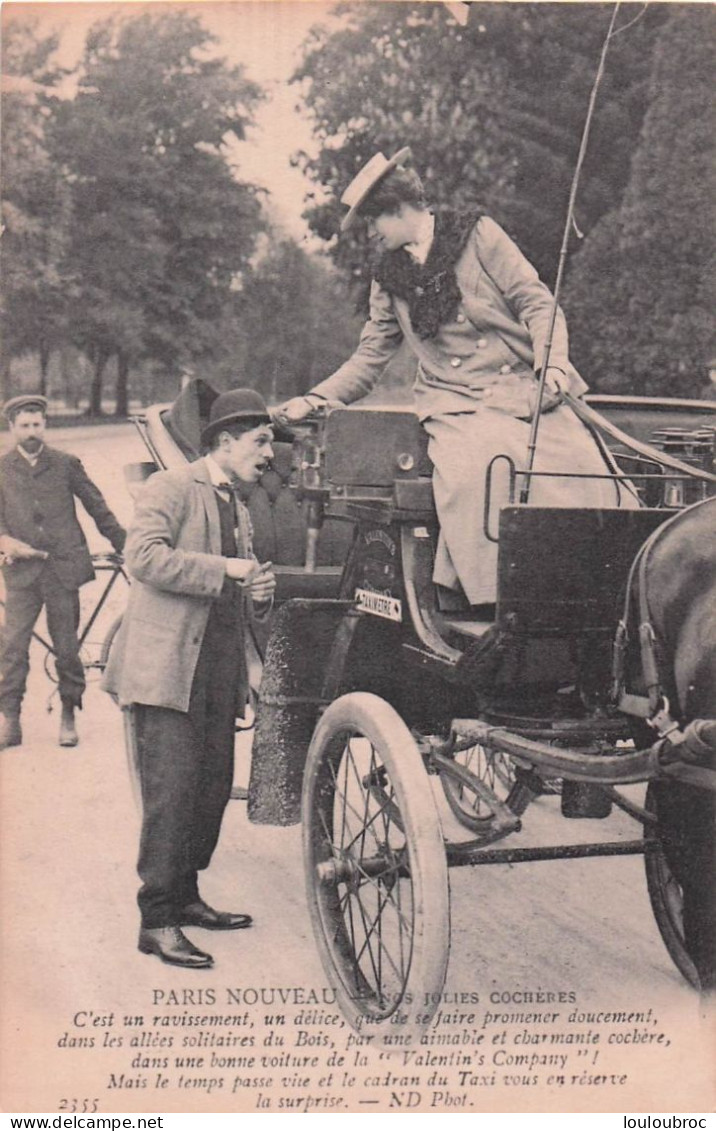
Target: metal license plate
379,604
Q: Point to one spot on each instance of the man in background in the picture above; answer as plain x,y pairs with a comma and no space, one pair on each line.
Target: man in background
45,560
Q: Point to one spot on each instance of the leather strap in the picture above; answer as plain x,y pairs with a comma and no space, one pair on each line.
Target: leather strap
654,708
595,419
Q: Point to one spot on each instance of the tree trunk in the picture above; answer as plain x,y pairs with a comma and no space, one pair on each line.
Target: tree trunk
121,407
44,353
95,401
69,364
5,379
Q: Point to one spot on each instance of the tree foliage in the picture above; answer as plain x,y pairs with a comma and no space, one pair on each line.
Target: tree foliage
129,233
493,111
161,229
293,322
641,292
35,200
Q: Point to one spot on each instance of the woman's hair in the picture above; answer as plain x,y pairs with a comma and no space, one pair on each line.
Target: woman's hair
400,186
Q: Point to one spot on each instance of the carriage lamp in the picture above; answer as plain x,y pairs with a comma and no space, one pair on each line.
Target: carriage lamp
673,493
695,447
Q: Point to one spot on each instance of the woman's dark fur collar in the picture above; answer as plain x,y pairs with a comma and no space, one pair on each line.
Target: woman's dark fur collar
430,289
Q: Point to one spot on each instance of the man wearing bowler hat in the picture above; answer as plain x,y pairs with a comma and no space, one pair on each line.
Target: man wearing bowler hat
179,662
45,560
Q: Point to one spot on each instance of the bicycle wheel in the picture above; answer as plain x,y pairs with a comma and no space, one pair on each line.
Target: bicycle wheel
50,663
109,641
376,872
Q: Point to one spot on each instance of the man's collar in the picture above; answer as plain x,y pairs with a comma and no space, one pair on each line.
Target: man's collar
217,475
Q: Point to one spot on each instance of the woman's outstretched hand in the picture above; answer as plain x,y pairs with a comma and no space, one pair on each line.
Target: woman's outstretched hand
291,412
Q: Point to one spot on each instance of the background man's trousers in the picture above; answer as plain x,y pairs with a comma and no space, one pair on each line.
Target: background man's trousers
22,608
186,768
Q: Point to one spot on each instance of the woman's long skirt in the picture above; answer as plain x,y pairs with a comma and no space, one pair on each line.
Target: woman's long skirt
461,447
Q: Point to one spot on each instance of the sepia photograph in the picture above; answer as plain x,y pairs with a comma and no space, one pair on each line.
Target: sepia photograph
358,559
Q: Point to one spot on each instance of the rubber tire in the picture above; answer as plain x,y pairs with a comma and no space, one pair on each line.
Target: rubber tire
403,800
664,895
109,641
128,719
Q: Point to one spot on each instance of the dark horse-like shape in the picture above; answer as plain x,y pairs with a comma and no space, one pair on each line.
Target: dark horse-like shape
677,588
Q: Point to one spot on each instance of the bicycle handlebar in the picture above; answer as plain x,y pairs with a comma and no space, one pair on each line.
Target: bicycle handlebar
107,560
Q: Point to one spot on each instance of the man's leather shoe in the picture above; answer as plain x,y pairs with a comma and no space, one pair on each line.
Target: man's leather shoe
68,734
172,946
199,914
10,732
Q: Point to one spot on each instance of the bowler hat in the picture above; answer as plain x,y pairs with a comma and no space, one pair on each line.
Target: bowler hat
29,401
365,181
233,407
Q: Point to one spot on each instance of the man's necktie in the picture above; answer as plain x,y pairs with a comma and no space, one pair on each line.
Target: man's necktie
243,529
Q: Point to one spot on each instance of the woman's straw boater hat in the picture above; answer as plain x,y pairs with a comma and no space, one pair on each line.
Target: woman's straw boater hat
365,181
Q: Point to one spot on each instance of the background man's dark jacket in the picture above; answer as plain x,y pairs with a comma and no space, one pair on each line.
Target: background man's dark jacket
37,506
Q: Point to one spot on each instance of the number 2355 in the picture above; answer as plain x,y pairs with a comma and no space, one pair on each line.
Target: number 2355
78,1105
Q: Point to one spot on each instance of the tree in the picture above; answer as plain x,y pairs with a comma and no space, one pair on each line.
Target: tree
641,292
35,202
493,111
295,319
162,229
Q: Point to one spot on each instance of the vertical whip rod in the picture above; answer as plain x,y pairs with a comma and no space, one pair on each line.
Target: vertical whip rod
525,491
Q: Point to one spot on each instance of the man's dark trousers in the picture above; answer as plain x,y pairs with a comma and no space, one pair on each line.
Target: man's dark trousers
22,608
186,768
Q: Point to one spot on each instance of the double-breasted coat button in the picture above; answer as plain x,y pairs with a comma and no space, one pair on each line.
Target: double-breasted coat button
481,342
460,318
505,369
455,362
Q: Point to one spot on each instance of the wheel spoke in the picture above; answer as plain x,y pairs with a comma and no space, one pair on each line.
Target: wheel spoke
377,885
376,928
363,825
386,807
377,820
366,936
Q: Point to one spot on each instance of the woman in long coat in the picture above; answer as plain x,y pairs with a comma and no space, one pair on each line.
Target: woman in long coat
476,315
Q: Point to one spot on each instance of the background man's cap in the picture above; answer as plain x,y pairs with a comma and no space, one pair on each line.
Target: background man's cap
232,407
31,401
365,181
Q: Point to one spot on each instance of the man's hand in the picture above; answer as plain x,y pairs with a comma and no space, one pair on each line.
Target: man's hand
258,578
262,583
119,541
13,550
